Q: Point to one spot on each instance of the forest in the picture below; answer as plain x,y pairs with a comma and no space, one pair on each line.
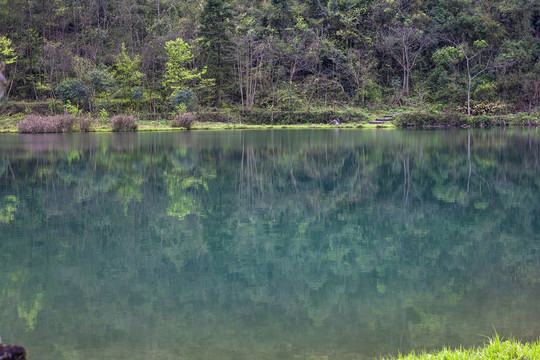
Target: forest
157,57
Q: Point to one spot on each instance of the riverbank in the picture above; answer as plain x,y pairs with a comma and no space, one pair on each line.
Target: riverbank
228,119
157,126
495,349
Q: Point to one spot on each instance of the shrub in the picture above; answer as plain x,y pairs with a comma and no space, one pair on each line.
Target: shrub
187,97
137,93
35,124
452,119
85,124
49,107
73,91
485,108
121,123
211,116
261,116
279,117
183,120
416,118
484,121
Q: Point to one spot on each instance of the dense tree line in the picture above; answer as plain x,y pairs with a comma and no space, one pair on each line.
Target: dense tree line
278,54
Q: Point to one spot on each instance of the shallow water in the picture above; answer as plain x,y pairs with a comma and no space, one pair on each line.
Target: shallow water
283,244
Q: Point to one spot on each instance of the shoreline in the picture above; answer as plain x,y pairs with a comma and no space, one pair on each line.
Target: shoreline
208,120
225,126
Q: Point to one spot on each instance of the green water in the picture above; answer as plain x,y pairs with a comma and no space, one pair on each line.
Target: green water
308,244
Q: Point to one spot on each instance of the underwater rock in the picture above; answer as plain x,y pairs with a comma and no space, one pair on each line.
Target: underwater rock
12,352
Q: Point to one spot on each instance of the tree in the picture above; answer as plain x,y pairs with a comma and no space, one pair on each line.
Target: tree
179,58
73,91
7,54
216,43
404,44
474,62
100,82
127,71
3,80
248,66
359,67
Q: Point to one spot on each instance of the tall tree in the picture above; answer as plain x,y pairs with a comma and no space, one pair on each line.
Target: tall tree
475,63
404,44
216,43
179,58
127,71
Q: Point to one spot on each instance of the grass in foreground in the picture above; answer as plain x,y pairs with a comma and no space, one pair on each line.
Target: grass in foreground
496,349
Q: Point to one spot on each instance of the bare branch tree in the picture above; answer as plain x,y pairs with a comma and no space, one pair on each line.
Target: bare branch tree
404,44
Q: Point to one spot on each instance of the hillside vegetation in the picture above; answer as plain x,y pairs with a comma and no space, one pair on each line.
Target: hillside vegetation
163,57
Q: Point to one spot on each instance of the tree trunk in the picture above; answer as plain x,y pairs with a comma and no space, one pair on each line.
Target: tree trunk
469,97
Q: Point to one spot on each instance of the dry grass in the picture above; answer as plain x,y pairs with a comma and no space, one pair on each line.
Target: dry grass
123,123
36,124
184,120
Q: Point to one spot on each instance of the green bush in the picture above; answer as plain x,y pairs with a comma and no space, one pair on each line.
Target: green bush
124,123
49,107
73,91
262,116
427,119
415,119
214,116
185,97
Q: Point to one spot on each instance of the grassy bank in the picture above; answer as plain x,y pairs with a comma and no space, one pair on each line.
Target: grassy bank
201,120
495,349
228,119
421,119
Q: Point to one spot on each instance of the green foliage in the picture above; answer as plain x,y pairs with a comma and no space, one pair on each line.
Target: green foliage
104,116
495,349
485,108
73,91
8,209
447,55
262,116
137,93
184,97
421,118
101,81
71,109
281,54
215,32
7,53
127,71
178,75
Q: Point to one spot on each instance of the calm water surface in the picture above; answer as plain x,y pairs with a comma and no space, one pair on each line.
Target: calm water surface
311,244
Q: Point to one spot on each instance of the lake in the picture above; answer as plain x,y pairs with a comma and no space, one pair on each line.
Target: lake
279,244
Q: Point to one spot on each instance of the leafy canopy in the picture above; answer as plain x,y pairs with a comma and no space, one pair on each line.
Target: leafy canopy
127,69
7,54
179,57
